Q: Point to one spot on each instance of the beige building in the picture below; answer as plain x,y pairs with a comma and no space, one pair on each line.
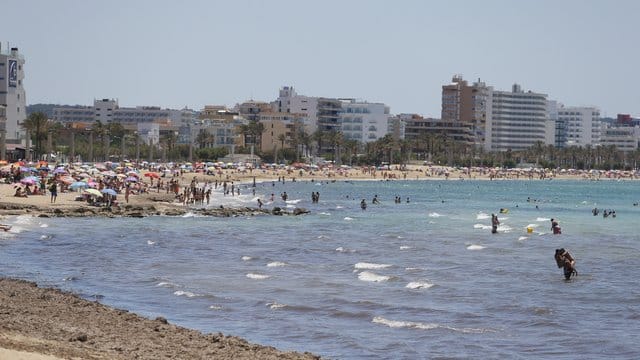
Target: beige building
279,130
465,105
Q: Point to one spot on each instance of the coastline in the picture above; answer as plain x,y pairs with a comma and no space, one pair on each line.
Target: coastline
37,323
46,323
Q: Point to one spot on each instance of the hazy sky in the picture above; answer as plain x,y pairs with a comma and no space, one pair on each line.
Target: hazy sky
191,53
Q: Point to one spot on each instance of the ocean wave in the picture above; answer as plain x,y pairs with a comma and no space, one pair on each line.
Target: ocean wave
531,226
405,247
275,306
425,326
295,201
482,216
371,277
523,238
257,276
482,226
215,307
370,266
188,294
44,225
543,219
475,247
324,213
341,249
149,242
348,218
276,264
419,285
247,258
435,215
167,284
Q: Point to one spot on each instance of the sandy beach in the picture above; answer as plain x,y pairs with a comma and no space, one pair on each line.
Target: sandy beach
38,323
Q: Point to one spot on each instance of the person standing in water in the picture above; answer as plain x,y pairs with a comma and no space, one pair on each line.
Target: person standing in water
555,227
494,223
567,262
363,204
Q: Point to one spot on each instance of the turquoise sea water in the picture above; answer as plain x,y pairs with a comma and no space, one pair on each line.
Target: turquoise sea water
424,279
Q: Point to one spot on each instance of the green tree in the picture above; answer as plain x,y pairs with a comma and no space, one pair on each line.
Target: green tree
37,126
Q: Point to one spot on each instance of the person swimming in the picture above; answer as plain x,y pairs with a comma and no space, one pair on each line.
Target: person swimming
555,227
567,262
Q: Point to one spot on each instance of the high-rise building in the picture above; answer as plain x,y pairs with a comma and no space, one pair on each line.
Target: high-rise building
465,105
516,120
13,108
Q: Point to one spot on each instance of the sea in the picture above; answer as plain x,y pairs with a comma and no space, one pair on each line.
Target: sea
420,279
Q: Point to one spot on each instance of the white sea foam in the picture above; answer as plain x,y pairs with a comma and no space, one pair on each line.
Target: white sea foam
370,266
418,285
166,284
275,306
405,247
424,326
523,238
246,258
149,242
504,228
257,276
348,218
44,225
293,201
45,237
481,226
215,307
404,324
188,215
339,207
276,264
482,216
543,219
531,226
324,213
188,294
371,277
343,250
434,215
475,247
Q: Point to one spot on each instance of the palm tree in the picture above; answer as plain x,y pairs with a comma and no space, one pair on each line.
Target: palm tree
36,126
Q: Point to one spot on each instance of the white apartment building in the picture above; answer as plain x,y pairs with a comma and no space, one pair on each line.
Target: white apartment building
581,125
290,102
108,111
363,121
624,138
13,107
516,120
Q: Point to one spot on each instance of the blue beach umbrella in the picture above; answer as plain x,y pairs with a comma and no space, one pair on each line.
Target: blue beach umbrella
109,191
78,185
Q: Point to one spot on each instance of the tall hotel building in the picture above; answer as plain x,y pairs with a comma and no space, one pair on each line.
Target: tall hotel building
13,107
464,105
516,120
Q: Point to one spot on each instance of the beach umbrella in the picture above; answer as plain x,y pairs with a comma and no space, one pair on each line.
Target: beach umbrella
59,171
78,185
152,175
131,179
109,192
93,192
28,181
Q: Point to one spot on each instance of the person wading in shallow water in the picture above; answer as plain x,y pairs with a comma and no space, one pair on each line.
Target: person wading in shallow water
555,227
567,262
494,223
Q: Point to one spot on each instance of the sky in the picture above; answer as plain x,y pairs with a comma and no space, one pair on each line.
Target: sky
174,54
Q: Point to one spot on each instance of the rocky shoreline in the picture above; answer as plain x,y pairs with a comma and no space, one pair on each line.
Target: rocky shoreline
155,205
61,324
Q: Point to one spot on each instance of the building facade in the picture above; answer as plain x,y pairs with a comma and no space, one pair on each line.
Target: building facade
516,120
580,126
108,111
13,102
466,104
363,121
